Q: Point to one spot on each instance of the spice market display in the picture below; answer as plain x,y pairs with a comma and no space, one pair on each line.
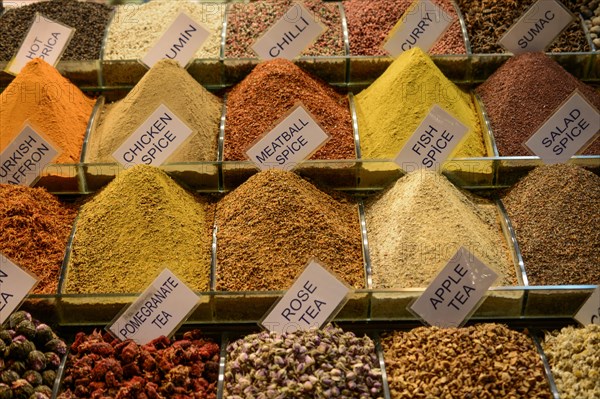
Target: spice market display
97,233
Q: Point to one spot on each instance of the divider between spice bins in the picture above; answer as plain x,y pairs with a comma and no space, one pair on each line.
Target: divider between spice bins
547,367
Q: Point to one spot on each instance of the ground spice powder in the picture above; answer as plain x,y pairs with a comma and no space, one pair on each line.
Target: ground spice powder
393,106
482,361
268,92
418,224
274,223
555,211
248,21
522,94
138,225
574,355
52,104
371,21
34,229
169,84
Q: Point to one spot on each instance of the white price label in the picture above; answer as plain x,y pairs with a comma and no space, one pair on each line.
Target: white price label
294,32
455,292
420,26
313,299
179,42
25,158
590,311
46,39
159,310
15,285
433,142
157,138
537,28
574,124
294,138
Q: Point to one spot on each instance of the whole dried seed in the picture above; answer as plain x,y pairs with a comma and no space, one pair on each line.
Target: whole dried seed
522,94
271,90
418,224
34,230
88,18
488,20
555,211
99,366
370,23
327,363
247,22
574,355
483,361
274,223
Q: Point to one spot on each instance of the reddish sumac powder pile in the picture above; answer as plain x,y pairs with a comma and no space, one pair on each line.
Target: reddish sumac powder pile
102,366
273,87
34,230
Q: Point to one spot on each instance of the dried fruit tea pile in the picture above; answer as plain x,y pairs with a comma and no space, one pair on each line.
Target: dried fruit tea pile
522,94
574,355
418,224
327,363
483,361
274,223
169,84
268,92
34,230
370,23
138,225
30,354
555,211
101,366
393,106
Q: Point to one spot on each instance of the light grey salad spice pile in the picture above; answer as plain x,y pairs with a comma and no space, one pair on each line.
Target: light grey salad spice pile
328,363
555,211
482,361
574,355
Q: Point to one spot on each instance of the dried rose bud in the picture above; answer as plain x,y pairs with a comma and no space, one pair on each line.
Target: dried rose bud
5,391
52,360
20,350
48,377
33,377
9,376
39,395
2,348
43,334
5,336
18,317
22,389
36,360
17,366
56,345
43,389
26,328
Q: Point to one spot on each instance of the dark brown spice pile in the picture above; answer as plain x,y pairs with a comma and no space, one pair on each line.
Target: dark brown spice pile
246,22
274,223
99,366
89,19
268,92
555,211
522,94
482,361
34,230
370,23
488,20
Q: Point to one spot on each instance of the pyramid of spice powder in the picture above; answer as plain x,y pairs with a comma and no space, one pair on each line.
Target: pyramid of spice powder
140,224
269,92
274,223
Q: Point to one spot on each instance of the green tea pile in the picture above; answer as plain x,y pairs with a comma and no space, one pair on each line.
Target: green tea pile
574,355
274,223
482,361
141,223
418,224
555,211
169,84
34,230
